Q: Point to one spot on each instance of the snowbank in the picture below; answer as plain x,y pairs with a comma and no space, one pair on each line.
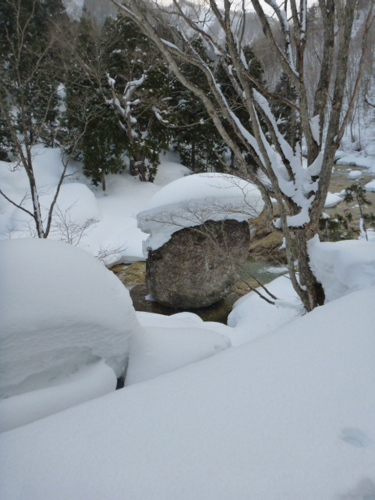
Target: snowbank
370,186
357,159
288,416
170,343
90,382
253,317
61,310
191,201
344,266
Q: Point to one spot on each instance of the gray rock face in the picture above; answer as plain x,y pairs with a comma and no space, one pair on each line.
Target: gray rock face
197,265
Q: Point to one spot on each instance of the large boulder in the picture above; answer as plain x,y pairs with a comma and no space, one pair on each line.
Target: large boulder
197,266
199,235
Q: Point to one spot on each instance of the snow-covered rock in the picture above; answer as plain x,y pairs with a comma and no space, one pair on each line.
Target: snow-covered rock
355,174
332,200
343,266
61,310
195,199
370,186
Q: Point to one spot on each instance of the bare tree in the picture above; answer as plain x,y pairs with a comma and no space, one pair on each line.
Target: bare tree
299,186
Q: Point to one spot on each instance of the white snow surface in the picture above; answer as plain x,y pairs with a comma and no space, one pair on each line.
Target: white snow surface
252,316
332,200
193,200
344,266
358,159
90,382
355,174
61,309
370,186
168,343
287,416
112,232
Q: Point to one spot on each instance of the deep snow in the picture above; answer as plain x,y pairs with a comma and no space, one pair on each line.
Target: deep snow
288,416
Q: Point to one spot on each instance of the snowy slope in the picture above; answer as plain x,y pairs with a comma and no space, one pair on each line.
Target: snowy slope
289,416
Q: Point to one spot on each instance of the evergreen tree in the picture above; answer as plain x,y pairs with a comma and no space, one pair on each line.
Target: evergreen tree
138,93
29,73
256,73
285,115
87,115
196,139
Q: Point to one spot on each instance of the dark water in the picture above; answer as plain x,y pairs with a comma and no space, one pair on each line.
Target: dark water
263,271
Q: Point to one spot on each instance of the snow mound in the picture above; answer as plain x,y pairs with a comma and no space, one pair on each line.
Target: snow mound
61,310
355,174
343,266
332,200
357,160
288,416
253,317
370,186
192,200
76,206
175,343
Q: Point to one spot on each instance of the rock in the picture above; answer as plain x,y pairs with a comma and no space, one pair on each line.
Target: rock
198,265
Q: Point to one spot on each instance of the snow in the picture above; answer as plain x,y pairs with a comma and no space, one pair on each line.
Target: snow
90,382
287,413
61,310
332,200
357,160
110,217
288,416
370,186
344,266
252,316
355,174
193,200
170,343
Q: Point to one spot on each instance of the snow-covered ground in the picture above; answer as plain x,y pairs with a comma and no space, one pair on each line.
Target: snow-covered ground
288,416
110,217
287,413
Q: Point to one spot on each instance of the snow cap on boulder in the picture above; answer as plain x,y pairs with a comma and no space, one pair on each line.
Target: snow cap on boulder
195,199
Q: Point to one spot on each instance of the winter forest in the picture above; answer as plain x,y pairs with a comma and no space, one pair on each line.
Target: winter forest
187,249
